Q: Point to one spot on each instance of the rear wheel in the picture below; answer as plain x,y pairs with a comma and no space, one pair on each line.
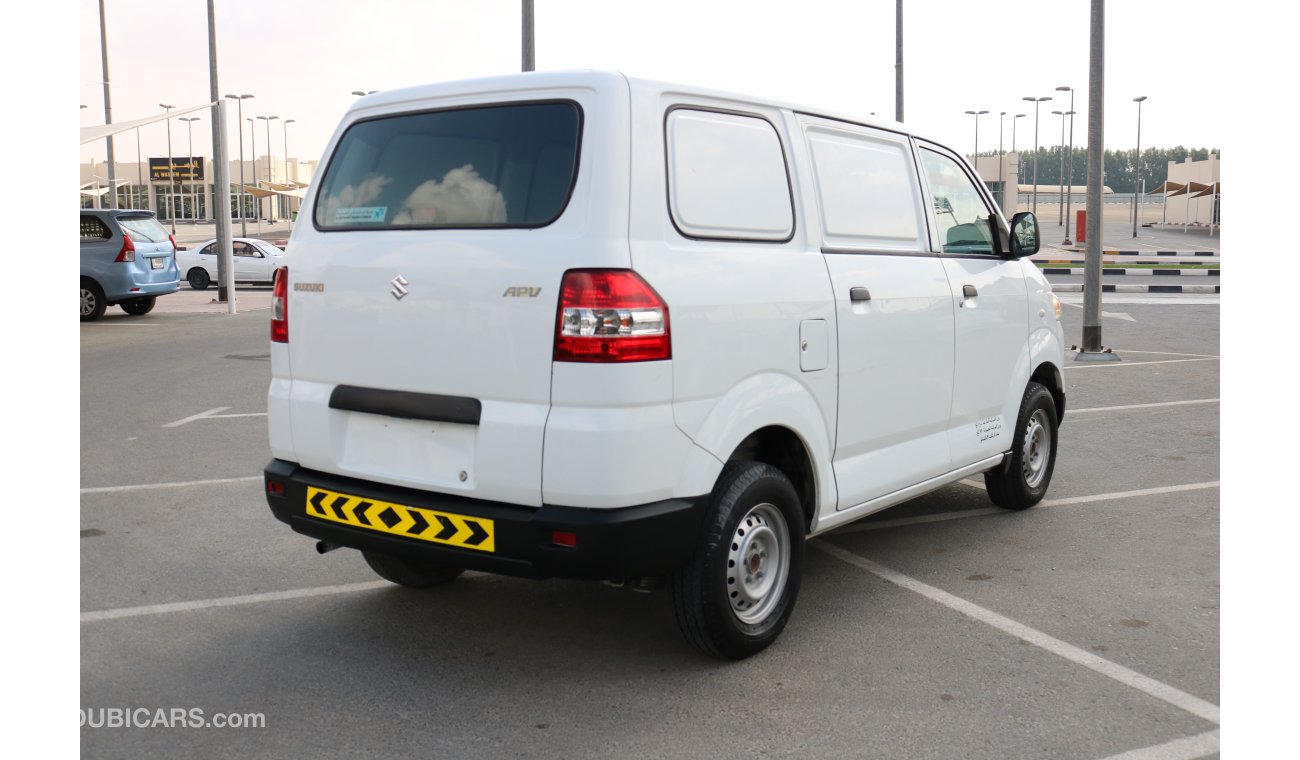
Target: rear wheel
734,597
92,301
139,306
405,572
1021,481
198,278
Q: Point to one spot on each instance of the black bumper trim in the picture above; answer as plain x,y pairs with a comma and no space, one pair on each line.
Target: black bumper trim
624,542
407,405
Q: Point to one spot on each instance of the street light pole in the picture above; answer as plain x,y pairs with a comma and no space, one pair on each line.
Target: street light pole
1002,179
171,169
287,180
139,167
108,108
976,155
1013,150
270,160
193,199
1036,101
1069,167
1137,159
1060,174
529,63
252,137
898,61
243,216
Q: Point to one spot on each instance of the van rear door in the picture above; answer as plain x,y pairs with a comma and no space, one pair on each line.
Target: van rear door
422,298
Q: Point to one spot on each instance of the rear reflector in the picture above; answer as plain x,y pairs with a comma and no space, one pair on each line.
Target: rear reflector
275,487
610,315
127,254
564,538
280,306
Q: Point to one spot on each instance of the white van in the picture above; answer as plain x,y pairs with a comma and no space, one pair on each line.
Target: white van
588,326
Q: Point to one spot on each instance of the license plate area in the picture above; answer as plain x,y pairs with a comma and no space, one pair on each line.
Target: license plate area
420,523
160,263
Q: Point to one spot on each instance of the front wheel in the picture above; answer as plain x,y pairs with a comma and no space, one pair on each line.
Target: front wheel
139,306
1020,482
734,597
405,572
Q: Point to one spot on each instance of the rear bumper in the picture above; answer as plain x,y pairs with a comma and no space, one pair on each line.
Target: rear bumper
125,288
626,542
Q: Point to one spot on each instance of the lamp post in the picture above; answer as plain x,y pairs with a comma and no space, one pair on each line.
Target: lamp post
193,199
286,124
528,42
171,170
139,166
1069,166
976,155
1002,180
1036,101
252,136
1013,150
270,160
243,217
1136,159
1060,174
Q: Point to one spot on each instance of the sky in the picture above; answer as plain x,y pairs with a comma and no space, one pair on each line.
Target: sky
301,59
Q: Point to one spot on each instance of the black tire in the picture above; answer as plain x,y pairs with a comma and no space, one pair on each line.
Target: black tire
722,610
138,307
1021,481
198,278
405,572
92,301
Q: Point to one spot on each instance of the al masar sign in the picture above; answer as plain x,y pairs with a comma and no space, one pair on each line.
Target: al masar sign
182,168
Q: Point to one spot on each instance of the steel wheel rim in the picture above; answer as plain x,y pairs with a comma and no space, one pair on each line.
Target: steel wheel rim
758,563
1037,449
87,302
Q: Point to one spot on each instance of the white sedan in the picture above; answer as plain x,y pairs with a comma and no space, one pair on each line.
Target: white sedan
255,261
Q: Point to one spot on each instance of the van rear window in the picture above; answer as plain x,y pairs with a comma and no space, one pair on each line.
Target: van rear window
144,228
493,166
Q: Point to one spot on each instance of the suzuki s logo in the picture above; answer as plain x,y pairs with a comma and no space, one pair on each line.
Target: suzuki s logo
399,284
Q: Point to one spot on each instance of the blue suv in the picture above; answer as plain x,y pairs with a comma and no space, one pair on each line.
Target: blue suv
127,260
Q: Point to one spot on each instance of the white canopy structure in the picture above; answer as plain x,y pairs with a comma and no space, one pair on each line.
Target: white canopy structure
100,131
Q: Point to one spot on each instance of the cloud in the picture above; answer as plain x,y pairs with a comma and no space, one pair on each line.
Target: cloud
462,197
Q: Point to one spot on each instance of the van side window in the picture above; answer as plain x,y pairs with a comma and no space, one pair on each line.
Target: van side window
867,190
960,210
727,177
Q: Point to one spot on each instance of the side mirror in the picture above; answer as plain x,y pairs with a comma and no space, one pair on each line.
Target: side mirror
1024,234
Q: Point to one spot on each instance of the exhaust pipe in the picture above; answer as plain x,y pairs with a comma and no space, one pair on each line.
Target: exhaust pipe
323,547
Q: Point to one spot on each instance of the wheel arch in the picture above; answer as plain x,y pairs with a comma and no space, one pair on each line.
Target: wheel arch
1048,375
782,448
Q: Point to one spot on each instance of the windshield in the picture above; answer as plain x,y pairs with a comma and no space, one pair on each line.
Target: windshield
495,166
143,228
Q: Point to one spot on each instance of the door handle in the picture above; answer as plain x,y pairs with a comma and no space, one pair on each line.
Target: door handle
859,294
969,291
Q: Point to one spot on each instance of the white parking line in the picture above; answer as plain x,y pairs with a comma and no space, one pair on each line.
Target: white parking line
1164,692
1069,412
211,414
198,416
151,486
1138,364
230,601
944,516
1188,748
1163,353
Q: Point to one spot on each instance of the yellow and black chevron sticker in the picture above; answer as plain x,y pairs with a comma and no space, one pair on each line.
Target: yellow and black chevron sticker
400,520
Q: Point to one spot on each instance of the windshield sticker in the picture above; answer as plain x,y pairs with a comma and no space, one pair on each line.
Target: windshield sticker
361,214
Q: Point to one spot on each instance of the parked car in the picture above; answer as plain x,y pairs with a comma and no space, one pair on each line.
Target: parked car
255,261
577,324
127,259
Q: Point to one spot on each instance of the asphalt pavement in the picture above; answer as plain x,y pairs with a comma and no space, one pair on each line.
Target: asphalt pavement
1086,627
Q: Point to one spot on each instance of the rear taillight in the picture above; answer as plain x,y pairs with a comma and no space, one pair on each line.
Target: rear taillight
173,241
127,253
611,315
280,306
